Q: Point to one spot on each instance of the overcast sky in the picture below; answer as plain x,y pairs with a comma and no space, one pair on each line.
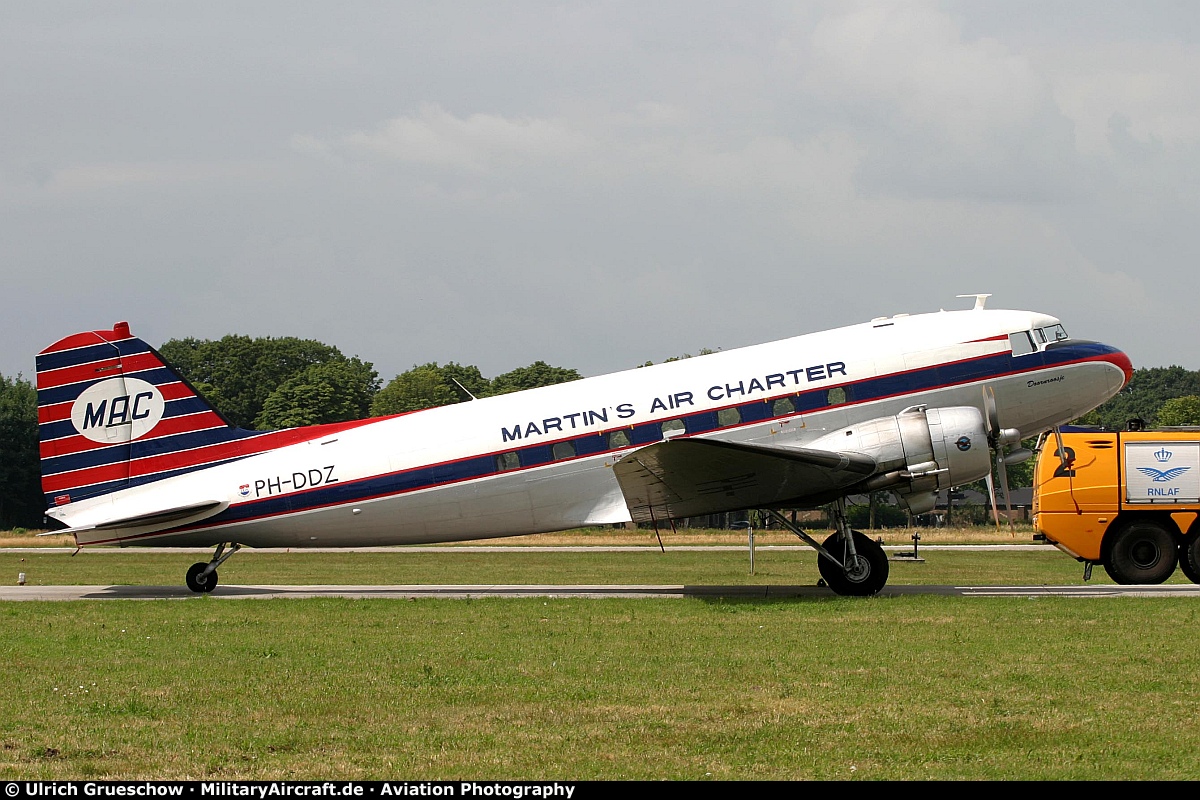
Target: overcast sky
594,184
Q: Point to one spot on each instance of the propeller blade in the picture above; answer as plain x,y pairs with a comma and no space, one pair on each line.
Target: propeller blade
1003,470
991,484
990,412
1018,456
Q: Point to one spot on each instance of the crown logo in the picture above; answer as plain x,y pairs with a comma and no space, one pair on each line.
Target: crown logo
1163,456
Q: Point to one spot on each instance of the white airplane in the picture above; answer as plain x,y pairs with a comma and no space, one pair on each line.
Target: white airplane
131,454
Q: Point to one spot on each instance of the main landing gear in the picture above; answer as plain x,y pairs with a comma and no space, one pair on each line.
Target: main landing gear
202,577
850,562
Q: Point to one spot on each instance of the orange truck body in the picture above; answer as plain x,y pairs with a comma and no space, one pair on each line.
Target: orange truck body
1101,484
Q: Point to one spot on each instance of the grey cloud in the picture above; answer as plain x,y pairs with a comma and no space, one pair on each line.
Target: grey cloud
595,185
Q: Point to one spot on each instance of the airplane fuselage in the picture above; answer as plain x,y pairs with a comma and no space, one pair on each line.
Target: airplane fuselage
542,460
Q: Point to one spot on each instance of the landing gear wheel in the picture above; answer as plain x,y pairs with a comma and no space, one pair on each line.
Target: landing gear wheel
193,578
1189,557
865,574
1141,553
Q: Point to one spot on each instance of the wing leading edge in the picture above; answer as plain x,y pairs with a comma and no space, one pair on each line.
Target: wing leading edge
690,477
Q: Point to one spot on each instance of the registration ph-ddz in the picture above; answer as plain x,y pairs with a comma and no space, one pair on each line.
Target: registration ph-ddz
317,476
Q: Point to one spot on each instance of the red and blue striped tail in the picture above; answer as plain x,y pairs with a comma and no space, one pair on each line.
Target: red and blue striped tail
112,414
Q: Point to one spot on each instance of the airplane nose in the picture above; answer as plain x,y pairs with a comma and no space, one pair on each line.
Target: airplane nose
1121,361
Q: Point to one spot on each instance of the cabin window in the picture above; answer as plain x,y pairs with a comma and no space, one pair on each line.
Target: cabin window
783,406
617,440
507,461
835,396
1021,343
563,450
673,426
728,416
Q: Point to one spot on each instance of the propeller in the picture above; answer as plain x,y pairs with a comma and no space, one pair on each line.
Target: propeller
998,439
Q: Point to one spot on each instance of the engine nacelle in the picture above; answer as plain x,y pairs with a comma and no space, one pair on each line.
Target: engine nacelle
919,451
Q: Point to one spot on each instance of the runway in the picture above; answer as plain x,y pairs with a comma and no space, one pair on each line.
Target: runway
462,592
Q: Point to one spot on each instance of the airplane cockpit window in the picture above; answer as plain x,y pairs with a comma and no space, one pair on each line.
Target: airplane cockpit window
1021,343
1054,333
1034,340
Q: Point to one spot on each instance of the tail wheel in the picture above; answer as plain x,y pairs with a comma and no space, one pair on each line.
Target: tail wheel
1142,553
865,573
1189,557
194,581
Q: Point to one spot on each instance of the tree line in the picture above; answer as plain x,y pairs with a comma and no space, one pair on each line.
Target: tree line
266,383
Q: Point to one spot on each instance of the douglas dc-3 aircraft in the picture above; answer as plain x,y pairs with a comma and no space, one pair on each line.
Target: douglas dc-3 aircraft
131,454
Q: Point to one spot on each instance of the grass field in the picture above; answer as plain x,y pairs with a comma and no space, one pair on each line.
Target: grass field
985,534
915,687
895,688
647,566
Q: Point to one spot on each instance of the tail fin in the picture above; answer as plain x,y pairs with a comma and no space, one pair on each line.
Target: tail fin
113,414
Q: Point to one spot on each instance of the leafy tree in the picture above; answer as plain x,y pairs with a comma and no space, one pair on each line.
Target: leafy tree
470,378
1146,393
704,351
21,501
1180,411
238,373
539,373
430,385
424,386
334,391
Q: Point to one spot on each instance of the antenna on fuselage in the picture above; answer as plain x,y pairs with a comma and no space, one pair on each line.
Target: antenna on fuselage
980,299
465,389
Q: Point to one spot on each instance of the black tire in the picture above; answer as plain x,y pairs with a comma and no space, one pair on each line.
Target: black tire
1189,557
865,577
193,578
1141,553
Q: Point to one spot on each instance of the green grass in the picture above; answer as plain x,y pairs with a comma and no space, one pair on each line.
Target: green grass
914,687
884,688
94,567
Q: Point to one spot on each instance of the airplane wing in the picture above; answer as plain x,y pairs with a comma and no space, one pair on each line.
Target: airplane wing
689,477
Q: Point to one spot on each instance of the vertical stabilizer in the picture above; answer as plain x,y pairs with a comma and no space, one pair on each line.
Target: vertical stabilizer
113,414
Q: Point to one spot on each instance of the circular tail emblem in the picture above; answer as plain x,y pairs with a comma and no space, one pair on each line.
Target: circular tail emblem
117,410
963,443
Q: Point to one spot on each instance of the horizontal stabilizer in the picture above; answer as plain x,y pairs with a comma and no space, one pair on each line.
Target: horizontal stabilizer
690,477
156,519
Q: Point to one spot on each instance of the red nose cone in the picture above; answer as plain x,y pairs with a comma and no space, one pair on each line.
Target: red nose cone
1119,359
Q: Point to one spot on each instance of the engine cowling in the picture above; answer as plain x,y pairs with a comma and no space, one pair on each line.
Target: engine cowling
919,451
